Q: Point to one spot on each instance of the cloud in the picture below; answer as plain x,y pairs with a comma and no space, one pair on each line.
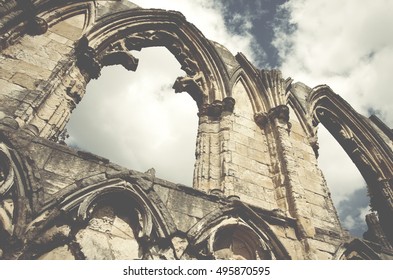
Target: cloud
209,17
348,46
345,45
352,211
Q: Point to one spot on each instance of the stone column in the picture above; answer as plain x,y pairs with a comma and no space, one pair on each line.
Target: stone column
211,148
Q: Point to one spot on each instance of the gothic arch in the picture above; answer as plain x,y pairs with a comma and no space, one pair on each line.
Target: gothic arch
81,210
357,250
54,14
243,224
362,143
206,80
107,39
259,104
271,87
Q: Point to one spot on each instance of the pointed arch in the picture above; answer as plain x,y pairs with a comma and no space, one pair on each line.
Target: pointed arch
358,250
134,29
363,144
240,217
256,100
78,211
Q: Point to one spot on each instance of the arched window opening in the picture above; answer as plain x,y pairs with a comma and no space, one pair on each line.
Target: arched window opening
113,231
347,186
136,120
238,243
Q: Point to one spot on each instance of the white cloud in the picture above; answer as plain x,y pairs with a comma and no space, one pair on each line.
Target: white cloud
344,44
208,17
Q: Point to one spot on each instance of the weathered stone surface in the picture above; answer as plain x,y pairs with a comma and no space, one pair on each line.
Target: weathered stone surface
256,143
94,245
59,253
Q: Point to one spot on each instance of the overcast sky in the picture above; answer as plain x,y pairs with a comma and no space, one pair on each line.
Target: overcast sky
136,119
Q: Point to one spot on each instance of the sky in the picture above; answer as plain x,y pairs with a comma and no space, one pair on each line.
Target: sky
135,119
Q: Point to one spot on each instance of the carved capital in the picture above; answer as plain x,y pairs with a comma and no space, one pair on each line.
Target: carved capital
280,112
216,108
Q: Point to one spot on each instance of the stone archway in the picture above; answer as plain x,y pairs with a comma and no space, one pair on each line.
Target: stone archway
363,144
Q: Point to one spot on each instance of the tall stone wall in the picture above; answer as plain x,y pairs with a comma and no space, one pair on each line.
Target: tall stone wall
257,191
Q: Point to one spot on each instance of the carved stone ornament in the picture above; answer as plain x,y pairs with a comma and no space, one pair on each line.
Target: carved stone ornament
192,85
280,112
86,58
217,107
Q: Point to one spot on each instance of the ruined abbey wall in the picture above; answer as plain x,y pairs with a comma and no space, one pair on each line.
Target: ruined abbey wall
257,191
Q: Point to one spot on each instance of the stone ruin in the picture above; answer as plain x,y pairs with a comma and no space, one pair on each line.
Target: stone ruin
257,190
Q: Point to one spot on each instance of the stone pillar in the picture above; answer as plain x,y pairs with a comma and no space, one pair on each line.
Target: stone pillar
211,149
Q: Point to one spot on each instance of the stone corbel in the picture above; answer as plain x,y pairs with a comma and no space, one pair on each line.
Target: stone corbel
123,58
281,112
217,107
375,232
86,59
192,85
